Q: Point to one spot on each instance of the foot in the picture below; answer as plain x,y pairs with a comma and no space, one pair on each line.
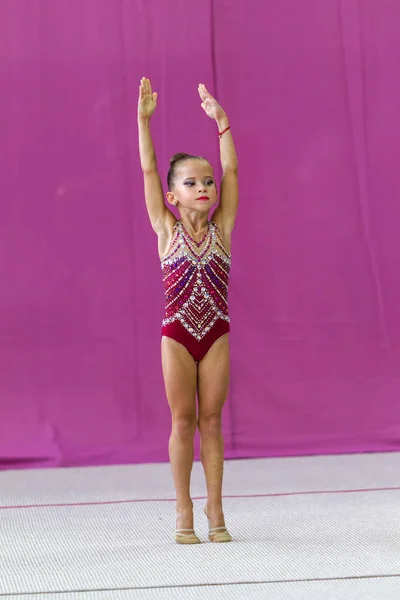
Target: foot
218,532
184,532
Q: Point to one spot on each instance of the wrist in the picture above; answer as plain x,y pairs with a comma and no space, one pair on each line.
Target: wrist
144,120
222,122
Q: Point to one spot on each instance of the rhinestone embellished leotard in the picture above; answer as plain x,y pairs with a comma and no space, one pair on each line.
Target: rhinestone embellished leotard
196,277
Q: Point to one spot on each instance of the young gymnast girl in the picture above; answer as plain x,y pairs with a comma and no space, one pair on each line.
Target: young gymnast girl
195,261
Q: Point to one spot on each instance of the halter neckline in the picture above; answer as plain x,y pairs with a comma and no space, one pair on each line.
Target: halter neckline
198,244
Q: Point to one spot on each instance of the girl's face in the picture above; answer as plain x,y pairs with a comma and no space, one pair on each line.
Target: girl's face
194,186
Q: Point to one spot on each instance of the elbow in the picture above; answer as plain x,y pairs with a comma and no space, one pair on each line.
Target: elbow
149,168
231,168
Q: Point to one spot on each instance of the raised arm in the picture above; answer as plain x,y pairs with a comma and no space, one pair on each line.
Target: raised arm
158,212
229,195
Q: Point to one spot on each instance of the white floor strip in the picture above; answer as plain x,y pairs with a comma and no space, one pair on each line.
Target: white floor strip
88,533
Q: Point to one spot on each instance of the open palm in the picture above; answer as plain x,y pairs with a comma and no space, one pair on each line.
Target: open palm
209,104
147,99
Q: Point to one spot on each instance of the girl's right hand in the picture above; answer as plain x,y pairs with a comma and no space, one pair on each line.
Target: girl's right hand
147,99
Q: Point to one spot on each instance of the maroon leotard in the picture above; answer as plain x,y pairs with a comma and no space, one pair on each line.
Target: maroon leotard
196,277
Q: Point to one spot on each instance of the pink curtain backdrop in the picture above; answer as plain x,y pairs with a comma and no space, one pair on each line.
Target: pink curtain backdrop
313,93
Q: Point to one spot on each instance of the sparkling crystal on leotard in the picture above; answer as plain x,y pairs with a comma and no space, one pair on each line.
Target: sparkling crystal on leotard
196,277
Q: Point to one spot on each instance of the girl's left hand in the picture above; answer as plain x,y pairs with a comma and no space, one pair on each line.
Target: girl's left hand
209,104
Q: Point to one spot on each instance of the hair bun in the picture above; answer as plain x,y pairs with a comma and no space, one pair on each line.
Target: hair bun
177,157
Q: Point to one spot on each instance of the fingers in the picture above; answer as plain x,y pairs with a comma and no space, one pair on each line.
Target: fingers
142,88
205,92
201,93
145,87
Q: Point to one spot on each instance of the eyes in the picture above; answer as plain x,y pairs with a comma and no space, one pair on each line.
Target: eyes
191,182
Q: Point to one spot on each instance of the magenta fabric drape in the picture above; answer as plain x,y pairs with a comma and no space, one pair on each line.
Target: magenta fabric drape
313,92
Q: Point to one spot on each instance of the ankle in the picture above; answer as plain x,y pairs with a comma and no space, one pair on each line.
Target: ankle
183,507
214,506
184,517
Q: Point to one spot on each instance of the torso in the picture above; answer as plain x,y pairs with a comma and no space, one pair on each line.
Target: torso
165,237
196,277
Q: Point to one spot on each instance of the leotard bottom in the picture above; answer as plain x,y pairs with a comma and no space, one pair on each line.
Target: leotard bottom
198,349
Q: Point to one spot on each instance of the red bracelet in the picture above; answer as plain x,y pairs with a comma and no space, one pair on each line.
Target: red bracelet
224,131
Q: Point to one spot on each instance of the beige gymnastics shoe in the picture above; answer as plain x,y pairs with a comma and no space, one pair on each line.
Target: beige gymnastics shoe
217,535
186,538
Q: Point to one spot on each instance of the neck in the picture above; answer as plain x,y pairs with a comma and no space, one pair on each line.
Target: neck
195,223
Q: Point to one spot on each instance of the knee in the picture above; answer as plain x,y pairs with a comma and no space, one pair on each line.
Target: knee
184,425
210,425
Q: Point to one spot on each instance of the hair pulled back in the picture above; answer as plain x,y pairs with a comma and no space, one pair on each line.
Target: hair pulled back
175,161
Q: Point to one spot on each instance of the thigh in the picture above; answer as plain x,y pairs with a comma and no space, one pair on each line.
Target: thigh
213,378
180,377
